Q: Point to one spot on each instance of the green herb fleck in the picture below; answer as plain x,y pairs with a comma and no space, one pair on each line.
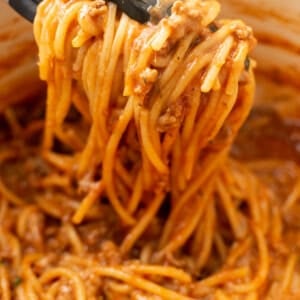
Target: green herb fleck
213,27
17,281
169,10
247,63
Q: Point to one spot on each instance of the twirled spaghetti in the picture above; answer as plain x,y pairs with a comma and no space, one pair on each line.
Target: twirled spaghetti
133,194
150,96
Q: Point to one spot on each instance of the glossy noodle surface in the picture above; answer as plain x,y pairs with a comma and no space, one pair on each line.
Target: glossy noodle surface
126,182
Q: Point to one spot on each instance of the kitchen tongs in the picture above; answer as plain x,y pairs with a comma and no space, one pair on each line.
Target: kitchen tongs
138,10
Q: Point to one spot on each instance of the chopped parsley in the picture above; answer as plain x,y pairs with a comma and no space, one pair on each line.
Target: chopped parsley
247,63
213,27
17,281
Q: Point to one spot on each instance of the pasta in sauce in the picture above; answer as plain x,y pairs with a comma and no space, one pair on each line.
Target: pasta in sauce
126,183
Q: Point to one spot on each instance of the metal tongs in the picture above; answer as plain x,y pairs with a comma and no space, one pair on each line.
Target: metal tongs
139,10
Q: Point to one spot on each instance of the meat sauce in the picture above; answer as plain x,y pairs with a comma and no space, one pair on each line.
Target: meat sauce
266,135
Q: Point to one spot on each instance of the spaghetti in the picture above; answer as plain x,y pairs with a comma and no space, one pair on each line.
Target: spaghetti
133,194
